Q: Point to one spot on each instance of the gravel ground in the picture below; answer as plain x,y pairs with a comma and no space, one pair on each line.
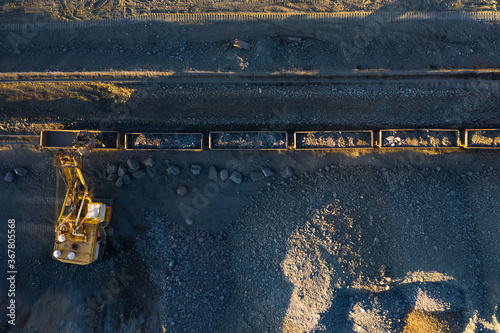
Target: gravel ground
191,269
323,47
376,241
307,244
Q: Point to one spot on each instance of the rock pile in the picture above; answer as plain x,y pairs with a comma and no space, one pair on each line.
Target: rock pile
121,175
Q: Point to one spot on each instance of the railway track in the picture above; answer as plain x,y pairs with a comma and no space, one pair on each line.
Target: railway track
19,140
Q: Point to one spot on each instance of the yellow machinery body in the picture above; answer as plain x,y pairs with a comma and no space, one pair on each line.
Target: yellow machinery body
79,229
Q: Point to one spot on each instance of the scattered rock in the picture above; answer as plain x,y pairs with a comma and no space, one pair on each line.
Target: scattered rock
122,170
9,177
112,168
189,221
195,169
434,296
287,173
376,313
267,172
223,174
150,172
126,179
182,191
257,175
113,177
212,173
173,170
139,174
21,171
236,177
150,162
133,165
119,182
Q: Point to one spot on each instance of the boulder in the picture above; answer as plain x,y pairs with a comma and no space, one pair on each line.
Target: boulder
133,165
182,190
122,170
257,175
139,174
113,177
212,173
119,182
21,171
236,177
126,179
223,174
287,173
149,162
9,177
267,172
173,170
195,169
112,168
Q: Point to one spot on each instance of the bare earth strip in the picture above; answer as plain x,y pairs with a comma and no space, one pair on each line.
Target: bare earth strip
300,76
74,10
366,16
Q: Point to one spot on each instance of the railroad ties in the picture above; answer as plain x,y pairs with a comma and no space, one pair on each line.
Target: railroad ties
19,140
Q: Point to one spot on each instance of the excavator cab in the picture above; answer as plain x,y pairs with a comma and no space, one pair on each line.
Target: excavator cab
80,227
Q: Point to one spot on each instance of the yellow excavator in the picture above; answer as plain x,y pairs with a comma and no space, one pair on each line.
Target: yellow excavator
80,233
